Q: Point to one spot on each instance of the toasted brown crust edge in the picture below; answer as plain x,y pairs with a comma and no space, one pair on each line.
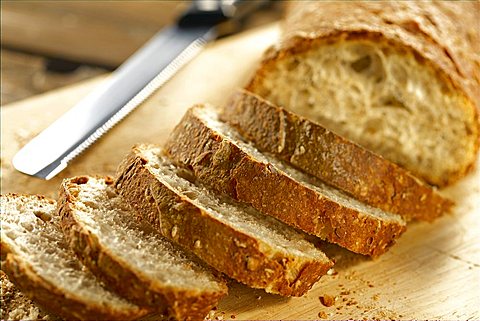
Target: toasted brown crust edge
363,174
224,167
299,44
14,303
53,300
182,305
227,250
49,297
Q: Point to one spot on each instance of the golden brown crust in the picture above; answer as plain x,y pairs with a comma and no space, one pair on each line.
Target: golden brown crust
15,305
232,252
51,299
332,158
443,35
223,166
170,302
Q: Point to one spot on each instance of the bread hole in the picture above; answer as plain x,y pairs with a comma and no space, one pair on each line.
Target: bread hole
91,204
27,226
11,235
191,194
388,21
292,65
186,174
392,102
468,130
197,244
361,64
44,216
369,65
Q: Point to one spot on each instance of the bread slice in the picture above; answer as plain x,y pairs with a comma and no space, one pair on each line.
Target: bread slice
247,246
400,78
220,159
130,256
337,161
38,261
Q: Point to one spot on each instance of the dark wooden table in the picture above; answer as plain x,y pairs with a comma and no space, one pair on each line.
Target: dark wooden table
50,44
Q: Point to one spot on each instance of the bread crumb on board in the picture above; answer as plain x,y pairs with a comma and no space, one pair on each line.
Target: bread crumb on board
322,315
327,300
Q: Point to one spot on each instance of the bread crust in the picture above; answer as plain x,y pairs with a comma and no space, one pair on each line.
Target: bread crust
15,304
50,297
168,301
226,168
56,301
439,34
228,250
312,148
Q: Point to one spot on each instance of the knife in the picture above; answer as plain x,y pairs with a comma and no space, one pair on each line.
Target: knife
132,83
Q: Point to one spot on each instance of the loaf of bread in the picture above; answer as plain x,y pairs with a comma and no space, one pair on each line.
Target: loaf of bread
337,161
225,163
131,257
401,78
39,262
247,246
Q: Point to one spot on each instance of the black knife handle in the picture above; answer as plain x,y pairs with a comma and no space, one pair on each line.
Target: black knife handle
211,13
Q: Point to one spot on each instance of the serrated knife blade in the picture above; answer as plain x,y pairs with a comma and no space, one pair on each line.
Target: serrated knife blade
127,87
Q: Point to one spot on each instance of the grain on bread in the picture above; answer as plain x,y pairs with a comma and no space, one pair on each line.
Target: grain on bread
247,246
400,78
131,257
221,160
337,161
39,262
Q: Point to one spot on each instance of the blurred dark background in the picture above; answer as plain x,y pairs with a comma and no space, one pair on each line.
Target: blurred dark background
50,44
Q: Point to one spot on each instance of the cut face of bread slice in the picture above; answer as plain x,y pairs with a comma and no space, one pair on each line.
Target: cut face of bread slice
101,227
221,160
130,256
249,247
312,148
393,82
38,260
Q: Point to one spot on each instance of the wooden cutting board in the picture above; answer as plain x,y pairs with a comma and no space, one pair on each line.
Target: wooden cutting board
433,272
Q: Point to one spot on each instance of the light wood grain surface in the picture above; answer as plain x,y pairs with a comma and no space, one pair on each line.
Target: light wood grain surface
433,272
